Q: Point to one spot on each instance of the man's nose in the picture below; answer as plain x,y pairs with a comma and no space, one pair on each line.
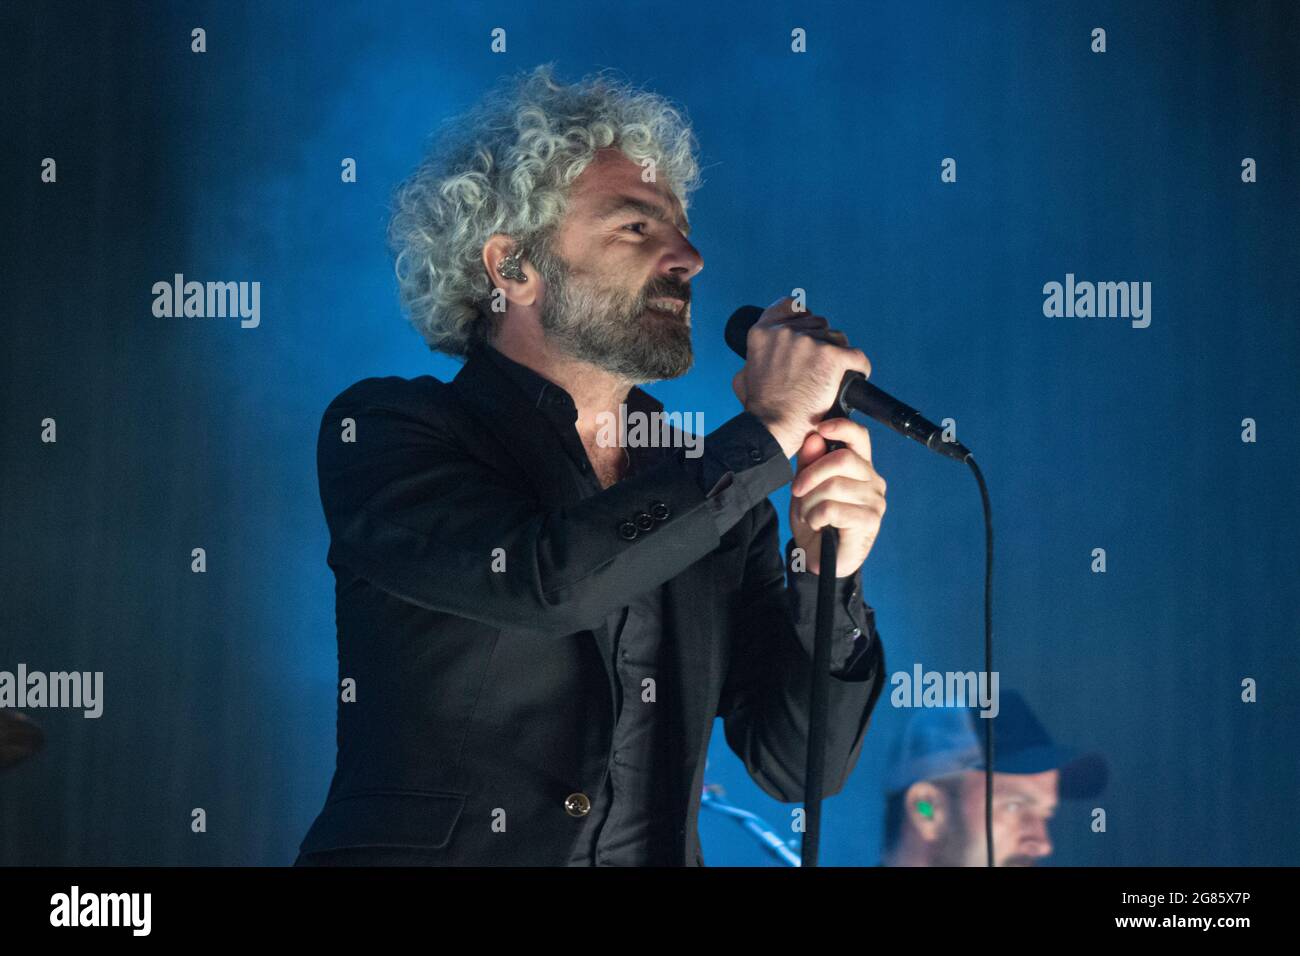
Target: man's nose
1035,840
683,260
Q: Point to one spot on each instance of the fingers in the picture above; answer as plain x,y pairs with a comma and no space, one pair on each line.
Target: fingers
841,358
845,475
800,322
835,336
804,323
814,469
817,327
837,472
839,476
857,360
862,519
781,308
849,432
841,489
782,312
813,448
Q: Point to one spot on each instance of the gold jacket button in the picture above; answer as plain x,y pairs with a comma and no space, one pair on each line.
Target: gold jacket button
577,804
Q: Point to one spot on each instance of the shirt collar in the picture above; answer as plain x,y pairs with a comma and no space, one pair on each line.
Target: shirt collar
545,395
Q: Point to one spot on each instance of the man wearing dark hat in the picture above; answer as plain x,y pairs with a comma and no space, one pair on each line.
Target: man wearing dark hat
934,808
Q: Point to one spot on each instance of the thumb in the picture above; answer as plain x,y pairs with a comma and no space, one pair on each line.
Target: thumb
813,447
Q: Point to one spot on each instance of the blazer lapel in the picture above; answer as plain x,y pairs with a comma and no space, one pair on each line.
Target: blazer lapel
522,431
528,439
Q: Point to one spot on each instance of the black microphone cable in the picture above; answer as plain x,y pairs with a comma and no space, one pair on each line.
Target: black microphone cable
988,652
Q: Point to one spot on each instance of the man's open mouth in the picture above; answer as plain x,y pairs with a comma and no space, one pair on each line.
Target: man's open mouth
668,304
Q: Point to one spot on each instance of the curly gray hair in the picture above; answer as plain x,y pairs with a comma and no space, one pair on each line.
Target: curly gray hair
506,167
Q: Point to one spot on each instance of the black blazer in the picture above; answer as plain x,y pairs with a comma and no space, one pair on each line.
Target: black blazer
484,698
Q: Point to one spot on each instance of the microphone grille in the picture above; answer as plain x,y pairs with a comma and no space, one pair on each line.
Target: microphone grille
738,327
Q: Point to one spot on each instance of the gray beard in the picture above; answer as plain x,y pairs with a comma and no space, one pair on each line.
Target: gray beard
610,329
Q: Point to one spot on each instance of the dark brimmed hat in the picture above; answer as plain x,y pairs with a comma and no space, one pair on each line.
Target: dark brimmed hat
939,741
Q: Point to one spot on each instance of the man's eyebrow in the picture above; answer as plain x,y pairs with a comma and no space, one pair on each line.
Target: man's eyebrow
1027,796
630,203
1014,791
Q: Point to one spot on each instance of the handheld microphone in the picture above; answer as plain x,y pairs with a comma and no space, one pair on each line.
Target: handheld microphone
862,396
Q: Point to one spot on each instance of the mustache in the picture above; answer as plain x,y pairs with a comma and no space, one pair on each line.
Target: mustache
667,288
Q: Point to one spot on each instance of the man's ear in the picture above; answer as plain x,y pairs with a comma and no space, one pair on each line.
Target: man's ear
518,291
927,810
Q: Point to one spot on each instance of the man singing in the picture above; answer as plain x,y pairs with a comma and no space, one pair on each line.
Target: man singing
536,628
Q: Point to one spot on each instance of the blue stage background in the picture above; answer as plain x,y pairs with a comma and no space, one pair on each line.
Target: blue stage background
822,171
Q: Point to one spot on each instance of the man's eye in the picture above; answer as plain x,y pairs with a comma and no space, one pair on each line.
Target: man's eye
632,225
